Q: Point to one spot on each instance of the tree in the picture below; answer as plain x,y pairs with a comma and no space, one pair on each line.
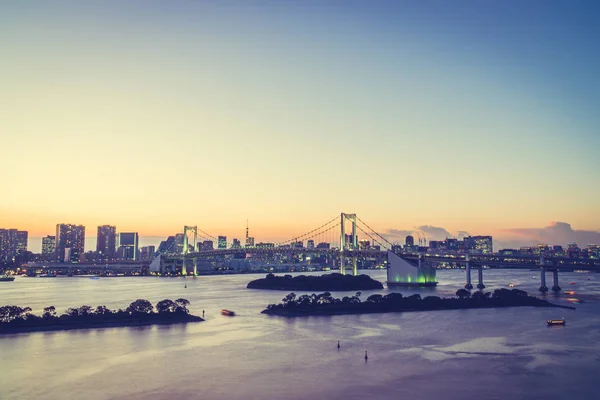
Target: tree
463,294
49,312
183,303
478,295
102,310
10,313
166,306
289,299
374,298
140,306
85,310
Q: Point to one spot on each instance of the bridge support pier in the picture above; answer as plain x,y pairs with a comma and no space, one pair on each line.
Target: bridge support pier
480,285
543,287
195,266
469,285
354,266
555,288
342,266
183,267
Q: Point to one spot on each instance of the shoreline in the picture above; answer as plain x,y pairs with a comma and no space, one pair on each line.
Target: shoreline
8,330
325,313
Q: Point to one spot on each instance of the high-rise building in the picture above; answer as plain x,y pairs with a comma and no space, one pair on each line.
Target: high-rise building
410,241
222,242
323,245
12,243
48,248
206,245
128,245
70,242
167,246
106,245
478,244
310,244
249,241
236,244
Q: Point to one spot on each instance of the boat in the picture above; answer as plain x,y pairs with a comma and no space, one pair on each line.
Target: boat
227,313
48,275
6,278
555,322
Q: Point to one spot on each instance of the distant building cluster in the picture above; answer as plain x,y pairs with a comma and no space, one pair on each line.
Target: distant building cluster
468,245
67,245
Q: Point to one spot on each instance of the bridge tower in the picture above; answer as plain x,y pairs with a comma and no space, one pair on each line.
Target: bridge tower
189,232
352,246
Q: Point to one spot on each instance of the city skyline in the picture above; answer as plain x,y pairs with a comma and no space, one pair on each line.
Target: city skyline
556,233
455,117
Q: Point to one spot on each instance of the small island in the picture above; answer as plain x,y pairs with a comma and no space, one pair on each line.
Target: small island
15,319
329,282
325,304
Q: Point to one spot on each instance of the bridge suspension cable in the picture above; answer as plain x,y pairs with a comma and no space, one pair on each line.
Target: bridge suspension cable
372,230
306,234
372,238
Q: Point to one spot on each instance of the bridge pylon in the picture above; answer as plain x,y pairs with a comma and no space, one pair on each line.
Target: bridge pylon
193,231
353,245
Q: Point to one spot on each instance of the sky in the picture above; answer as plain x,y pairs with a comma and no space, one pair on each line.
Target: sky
467,116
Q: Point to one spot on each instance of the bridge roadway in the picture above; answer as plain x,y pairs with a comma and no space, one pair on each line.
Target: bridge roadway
476,260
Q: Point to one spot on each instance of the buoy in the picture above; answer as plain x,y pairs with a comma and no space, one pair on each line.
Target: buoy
366,356
185,287
338,344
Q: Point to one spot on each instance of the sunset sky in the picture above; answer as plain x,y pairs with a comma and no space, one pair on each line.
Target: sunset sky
472,116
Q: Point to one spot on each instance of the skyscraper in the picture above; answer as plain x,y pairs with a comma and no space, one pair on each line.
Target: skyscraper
12,243
107,242
48,248
128,245
236,244
70,242
410,241
222,242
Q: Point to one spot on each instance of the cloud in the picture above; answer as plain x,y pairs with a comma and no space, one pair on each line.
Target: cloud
462,234
559,233
434,232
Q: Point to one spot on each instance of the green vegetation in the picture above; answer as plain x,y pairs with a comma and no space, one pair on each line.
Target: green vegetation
15,319
325,304
332,282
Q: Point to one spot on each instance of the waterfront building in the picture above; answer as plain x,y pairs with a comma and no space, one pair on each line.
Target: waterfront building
310,244
222,242
128,246
396,249
206,245
410,241
263,245
236,244
70,242
249,241
48,248
147,252
323,245
106,246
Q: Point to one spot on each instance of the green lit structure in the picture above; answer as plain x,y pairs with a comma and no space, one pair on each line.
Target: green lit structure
402,272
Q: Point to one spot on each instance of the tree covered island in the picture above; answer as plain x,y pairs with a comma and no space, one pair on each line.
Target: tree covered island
329,282
325,304
15,319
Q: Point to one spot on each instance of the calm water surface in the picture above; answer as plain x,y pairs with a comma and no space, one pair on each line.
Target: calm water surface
462,354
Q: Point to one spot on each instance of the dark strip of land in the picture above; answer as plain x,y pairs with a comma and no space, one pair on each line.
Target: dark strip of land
324,304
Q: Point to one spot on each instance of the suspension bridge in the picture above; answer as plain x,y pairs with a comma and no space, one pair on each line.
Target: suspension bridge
343,249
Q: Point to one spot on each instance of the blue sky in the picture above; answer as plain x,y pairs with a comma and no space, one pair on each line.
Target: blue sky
468,115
